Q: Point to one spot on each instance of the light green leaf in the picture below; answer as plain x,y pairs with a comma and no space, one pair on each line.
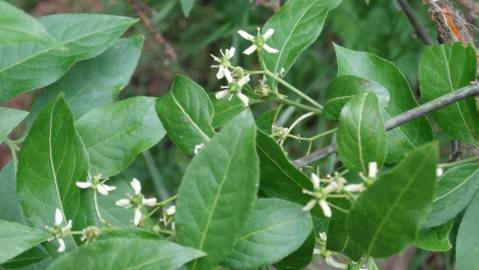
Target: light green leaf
274,229
93,83
117,216
442,70
386,217
52,159
127,254
9,205
218,191
361,135
467,241
187,114
187,6
301,258
29,66
369,66
279,178
10,118
225,110
116,133
16,26
297,25
26,260
16,238
343,88
435,239
454,191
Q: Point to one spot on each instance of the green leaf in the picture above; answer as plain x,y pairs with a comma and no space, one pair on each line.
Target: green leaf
369,66
274,229
16,26
116,133
435,239
26,259
297,25
9,205
301,258
442,70
386,217
225,110
52,159
467,241
10,118
187,114
16,238
338,238
266,120
218,191
28,66
187,6
127,253
361,135
117,216
93,83
278,176
454,191
343,88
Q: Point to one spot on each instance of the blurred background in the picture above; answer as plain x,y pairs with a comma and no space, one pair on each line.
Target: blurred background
176,44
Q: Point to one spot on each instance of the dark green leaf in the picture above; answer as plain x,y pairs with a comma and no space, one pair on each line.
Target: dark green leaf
29,66
274,229
343,88
117,216
27,259
93,83
361,135
9,205
127,254
16,26
116,133
467,242
301,258
266,120
435,239
442,70
10,118
16,238
454,191
187,114
225,110
297,25
218,191
386,217
52,159
371,67
279,178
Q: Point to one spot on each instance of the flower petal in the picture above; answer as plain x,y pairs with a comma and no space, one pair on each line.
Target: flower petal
230,53
148,202
58,217
268,34
170,210
310,205
315,180
123,203
243,81
250,50
135,185
227,74
268,49
372,169
87,184
104,189
243,98
325,207
220,74
246,35
61,244
354,188
221,94
137,218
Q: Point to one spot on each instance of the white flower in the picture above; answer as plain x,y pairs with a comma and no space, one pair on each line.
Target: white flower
224,64
170,210
325,208
138,201
439,172
259,42
310,205
372,169
198,148
96,184
59,231
90,233
234,87
355,187
315,180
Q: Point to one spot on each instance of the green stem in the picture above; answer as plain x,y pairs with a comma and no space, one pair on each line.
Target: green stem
155,175
297,105
320,135
161,204
97,209
459,162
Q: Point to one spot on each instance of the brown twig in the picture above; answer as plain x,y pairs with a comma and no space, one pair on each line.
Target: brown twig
433,105
168,49
420,31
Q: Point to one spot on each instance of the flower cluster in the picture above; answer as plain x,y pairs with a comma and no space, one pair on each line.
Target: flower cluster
59,230
96,183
